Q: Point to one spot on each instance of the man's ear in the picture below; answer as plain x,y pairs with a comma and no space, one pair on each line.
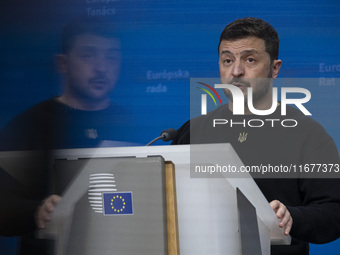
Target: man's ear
61,63
276,68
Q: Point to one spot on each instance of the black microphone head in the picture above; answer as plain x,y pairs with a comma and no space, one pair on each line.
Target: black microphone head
169,134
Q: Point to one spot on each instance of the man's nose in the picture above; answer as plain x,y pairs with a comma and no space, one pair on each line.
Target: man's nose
100,64
238,69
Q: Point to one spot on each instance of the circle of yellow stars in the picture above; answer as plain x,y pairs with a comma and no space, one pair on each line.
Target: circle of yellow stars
123,203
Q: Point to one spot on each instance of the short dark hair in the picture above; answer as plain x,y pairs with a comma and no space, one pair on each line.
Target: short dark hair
242,28
100,26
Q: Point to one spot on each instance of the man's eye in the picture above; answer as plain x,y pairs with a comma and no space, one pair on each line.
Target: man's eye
227,61
251,60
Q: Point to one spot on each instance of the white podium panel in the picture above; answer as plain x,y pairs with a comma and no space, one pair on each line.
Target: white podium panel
208,216
113,206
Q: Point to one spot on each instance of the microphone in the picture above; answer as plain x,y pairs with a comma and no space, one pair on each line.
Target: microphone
166,135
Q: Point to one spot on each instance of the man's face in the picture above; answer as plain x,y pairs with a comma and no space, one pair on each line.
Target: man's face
92,67
245,63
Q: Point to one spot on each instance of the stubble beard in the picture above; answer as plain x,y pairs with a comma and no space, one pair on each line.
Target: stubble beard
85,95
264,85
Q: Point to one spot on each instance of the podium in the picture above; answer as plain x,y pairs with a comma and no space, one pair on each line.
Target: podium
217,214
220,215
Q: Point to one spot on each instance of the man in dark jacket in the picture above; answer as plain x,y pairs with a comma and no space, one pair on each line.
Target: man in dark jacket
307,208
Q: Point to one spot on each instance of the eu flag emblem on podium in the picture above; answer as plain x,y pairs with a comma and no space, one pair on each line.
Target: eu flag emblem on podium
118,203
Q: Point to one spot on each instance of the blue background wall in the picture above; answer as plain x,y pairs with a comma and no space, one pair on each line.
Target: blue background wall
165,43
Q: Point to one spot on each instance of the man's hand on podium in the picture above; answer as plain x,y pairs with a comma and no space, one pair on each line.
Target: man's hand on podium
45,210
283,214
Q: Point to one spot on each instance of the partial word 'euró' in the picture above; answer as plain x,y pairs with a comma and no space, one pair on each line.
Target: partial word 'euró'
323,68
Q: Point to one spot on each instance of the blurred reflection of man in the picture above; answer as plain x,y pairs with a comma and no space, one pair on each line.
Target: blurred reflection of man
81,117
